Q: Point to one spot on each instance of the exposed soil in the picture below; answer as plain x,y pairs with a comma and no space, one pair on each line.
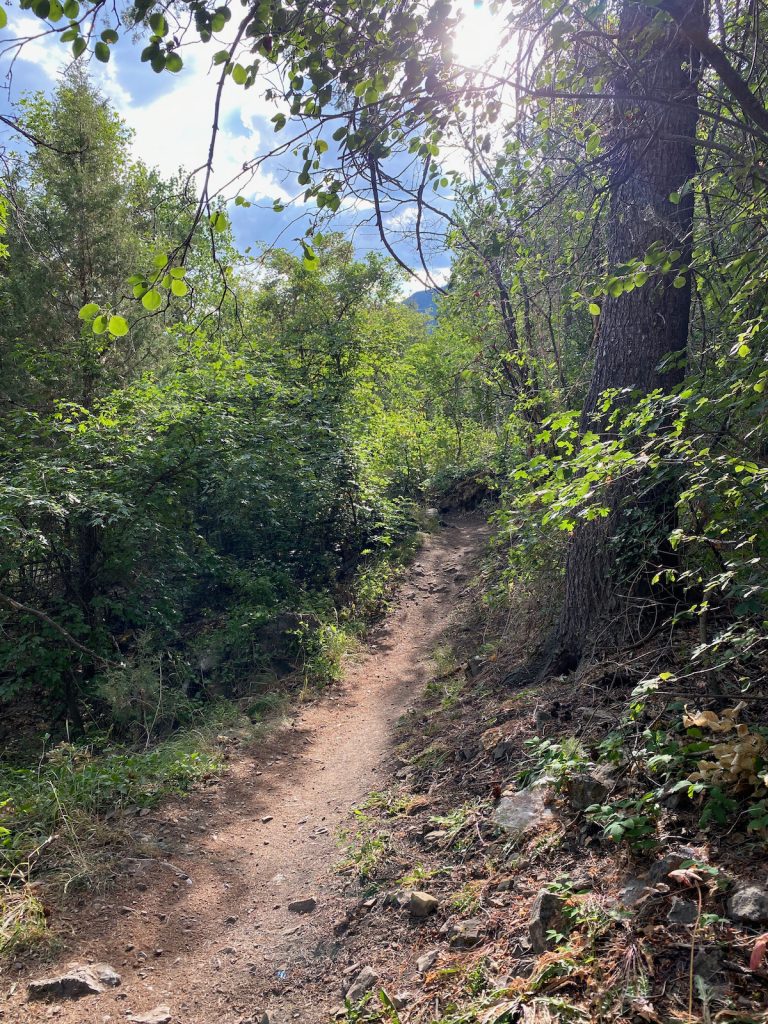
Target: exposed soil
201,922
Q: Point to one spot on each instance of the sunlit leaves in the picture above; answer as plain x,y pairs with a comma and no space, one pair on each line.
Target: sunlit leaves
158,24
310,260
88,311
152,300
118,326
219,221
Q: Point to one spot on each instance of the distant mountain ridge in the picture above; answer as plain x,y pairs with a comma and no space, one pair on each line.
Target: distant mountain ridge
423,301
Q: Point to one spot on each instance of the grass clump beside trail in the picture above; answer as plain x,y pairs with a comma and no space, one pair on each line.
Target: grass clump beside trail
61,820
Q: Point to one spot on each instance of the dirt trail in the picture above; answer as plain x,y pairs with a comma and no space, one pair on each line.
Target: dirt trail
221,946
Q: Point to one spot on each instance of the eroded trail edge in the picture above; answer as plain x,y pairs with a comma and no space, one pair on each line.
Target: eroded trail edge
201,923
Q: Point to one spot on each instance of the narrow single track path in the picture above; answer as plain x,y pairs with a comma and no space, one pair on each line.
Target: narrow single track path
201,922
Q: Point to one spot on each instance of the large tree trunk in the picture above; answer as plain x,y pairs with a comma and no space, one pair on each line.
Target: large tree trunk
643,334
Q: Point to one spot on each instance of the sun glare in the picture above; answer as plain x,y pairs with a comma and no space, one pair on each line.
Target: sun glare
479,34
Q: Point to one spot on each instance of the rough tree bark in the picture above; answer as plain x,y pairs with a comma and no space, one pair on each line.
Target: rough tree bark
643,334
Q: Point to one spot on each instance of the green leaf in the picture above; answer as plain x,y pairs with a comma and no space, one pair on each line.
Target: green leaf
179,288
593,144
239,74
118,326
219,221
674,198
88,311
173,63
71,9
109,35
321,146
178,272
152,300
3,18
744,351
100,324
594,309
158,24
101,52
679,282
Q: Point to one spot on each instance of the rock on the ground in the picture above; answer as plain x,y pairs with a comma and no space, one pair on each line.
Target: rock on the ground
517,812
435,837
707,963
546,915
475,666
159,1015
659,871
584,790
303,906
363,983
422,904
402,999
79,980
633,892
682,912
465,934
505,885
749,905
498,741
426,961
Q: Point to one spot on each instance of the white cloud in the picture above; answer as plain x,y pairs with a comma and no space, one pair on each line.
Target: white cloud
404,220
173,128
440,275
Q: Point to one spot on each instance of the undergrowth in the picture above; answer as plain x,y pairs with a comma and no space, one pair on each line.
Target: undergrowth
663,755
63,820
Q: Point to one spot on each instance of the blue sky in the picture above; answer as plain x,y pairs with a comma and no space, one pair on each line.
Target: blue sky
171,115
